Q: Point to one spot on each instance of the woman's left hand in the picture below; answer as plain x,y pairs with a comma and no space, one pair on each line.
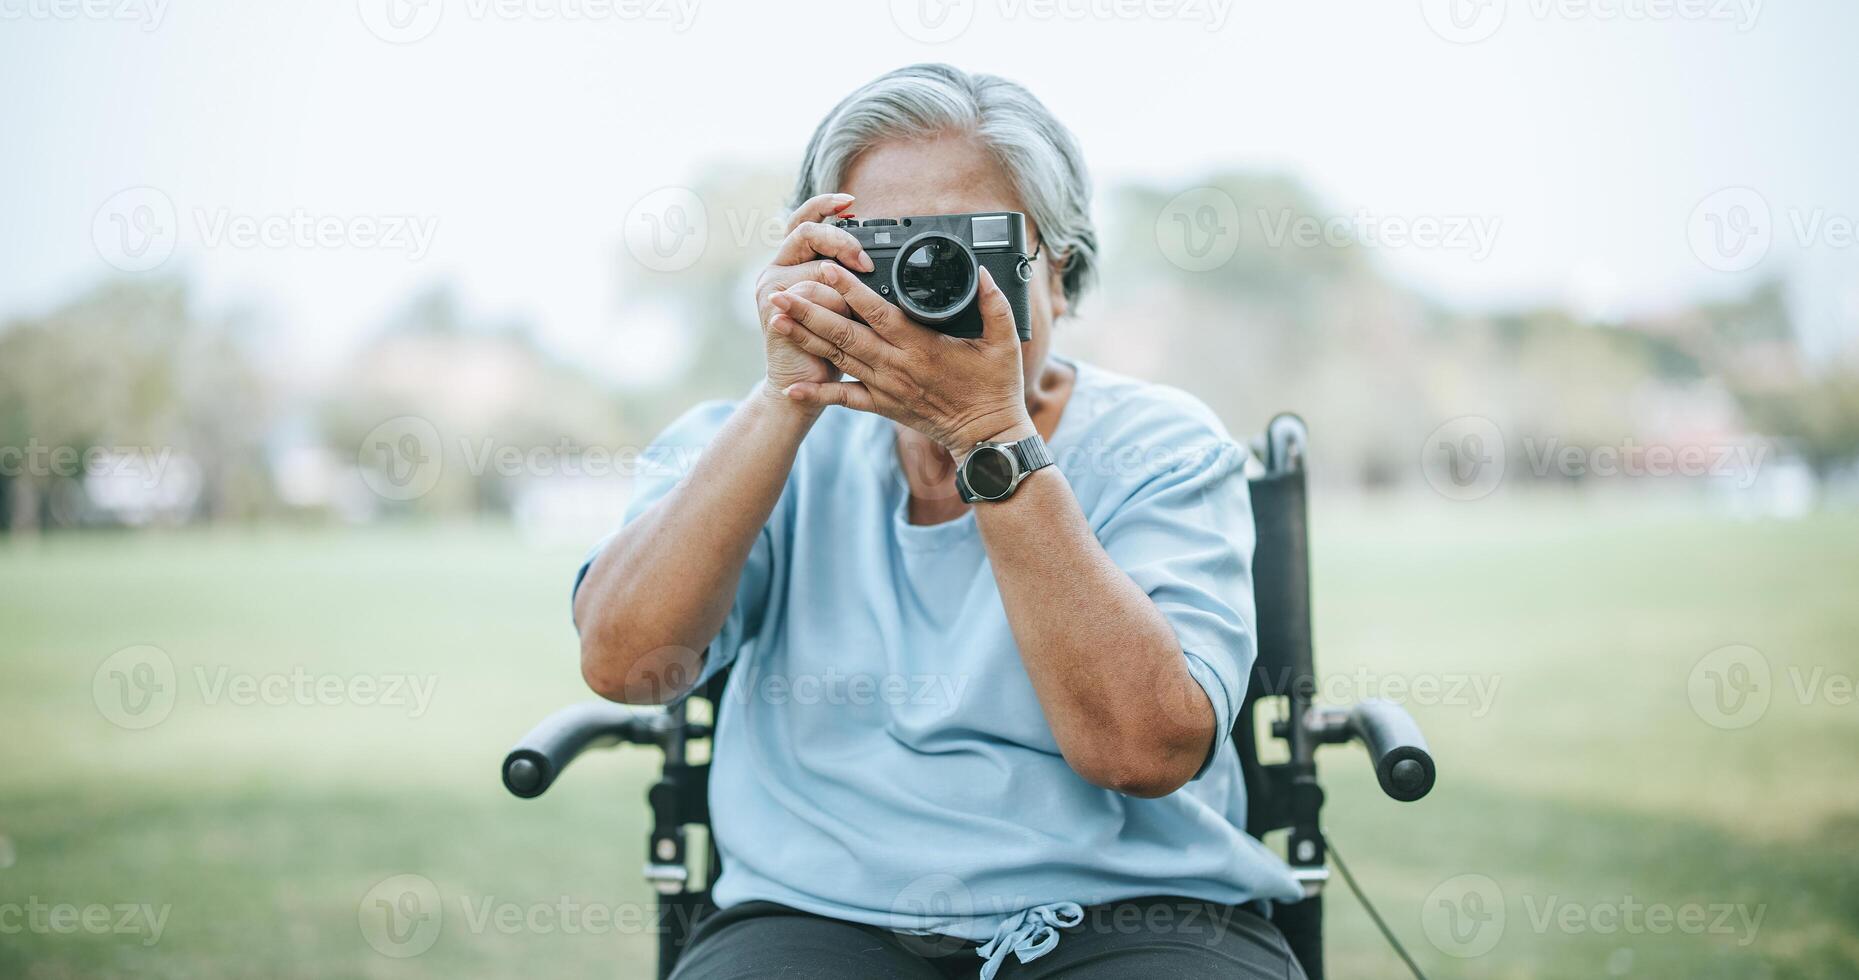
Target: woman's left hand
956,391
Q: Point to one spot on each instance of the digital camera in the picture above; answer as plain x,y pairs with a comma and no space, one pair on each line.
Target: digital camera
930,265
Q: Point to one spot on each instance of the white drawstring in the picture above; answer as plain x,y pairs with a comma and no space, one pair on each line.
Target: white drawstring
1028,935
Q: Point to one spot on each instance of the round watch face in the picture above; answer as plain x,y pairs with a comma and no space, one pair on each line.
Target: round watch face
989,471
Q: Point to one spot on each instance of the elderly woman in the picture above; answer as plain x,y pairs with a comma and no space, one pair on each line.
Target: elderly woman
961,738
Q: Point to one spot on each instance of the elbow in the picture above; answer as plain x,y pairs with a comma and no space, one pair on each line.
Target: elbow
631,673
602,667
1147,785
1140,768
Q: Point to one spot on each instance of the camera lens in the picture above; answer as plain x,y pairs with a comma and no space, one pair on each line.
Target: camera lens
935,276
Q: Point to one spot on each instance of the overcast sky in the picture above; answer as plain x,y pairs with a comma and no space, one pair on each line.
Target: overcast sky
515,135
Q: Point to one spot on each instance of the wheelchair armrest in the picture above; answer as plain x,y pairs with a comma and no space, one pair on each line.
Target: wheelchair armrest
1395,746
532,766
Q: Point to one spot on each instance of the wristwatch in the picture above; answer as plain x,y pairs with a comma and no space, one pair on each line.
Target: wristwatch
993,470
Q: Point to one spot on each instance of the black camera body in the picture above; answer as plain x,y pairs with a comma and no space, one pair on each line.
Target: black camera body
930,266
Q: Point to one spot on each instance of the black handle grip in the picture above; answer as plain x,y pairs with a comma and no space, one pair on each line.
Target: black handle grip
531,767
1395,746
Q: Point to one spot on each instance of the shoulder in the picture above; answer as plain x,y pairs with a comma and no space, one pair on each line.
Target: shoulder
1163,426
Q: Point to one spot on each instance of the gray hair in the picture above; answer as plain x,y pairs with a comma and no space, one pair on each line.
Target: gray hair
1038,154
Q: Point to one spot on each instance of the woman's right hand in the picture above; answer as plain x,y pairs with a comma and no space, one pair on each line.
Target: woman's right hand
809,242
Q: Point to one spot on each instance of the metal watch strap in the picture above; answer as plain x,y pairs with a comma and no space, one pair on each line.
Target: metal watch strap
1032,453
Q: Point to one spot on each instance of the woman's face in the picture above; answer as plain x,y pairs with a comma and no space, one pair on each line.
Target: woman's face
954,175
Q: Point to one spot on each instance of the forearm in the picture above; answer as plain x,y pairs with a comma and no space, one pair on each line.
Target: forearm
661,588
1103,660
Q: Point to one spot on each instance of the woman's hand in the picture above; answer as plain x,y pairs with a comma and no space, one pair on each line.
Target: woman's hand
795,271
955,391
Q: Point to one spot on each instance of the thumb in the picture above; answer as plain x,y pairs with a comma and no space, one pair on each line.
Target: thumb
997,326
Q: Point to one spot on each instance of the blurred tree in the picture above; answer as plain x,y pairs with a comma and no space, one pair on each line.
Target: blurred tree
133,366
1816,416
504,407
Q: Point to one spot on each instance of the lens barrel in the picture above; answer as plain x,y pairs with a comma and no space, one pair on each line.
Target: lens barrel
935,277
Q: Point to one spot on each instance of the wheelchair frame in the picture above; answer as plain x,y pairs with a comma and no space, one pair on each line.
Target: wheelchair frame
1280,796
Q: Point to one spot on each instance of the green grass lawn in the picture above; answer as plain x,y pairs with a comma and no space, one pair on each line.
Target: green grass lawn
1548,649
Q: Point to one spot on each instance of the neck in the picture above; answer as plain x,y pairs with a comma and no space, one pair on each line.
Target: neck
930,470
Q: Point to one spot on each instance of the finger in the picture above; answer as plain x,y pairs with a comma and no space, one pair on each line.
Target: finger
798,335
818,208
851,394
846,334
776,278
820,294
888,321
812,239
997,326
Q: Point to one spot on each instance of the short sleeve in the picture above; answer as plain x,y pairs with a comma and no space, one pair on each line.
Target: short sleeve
658,471
1185,536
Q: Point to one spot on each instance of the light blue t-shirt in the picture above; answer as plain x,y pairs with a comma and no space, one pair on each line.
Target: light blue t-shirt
880,754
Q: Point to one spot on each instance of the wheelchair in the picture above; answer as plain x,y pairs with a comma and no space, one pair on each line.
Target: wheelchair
1280,795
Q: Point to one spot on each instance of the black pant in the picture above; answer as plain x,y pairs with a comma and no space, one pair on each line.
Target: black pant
1159,938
